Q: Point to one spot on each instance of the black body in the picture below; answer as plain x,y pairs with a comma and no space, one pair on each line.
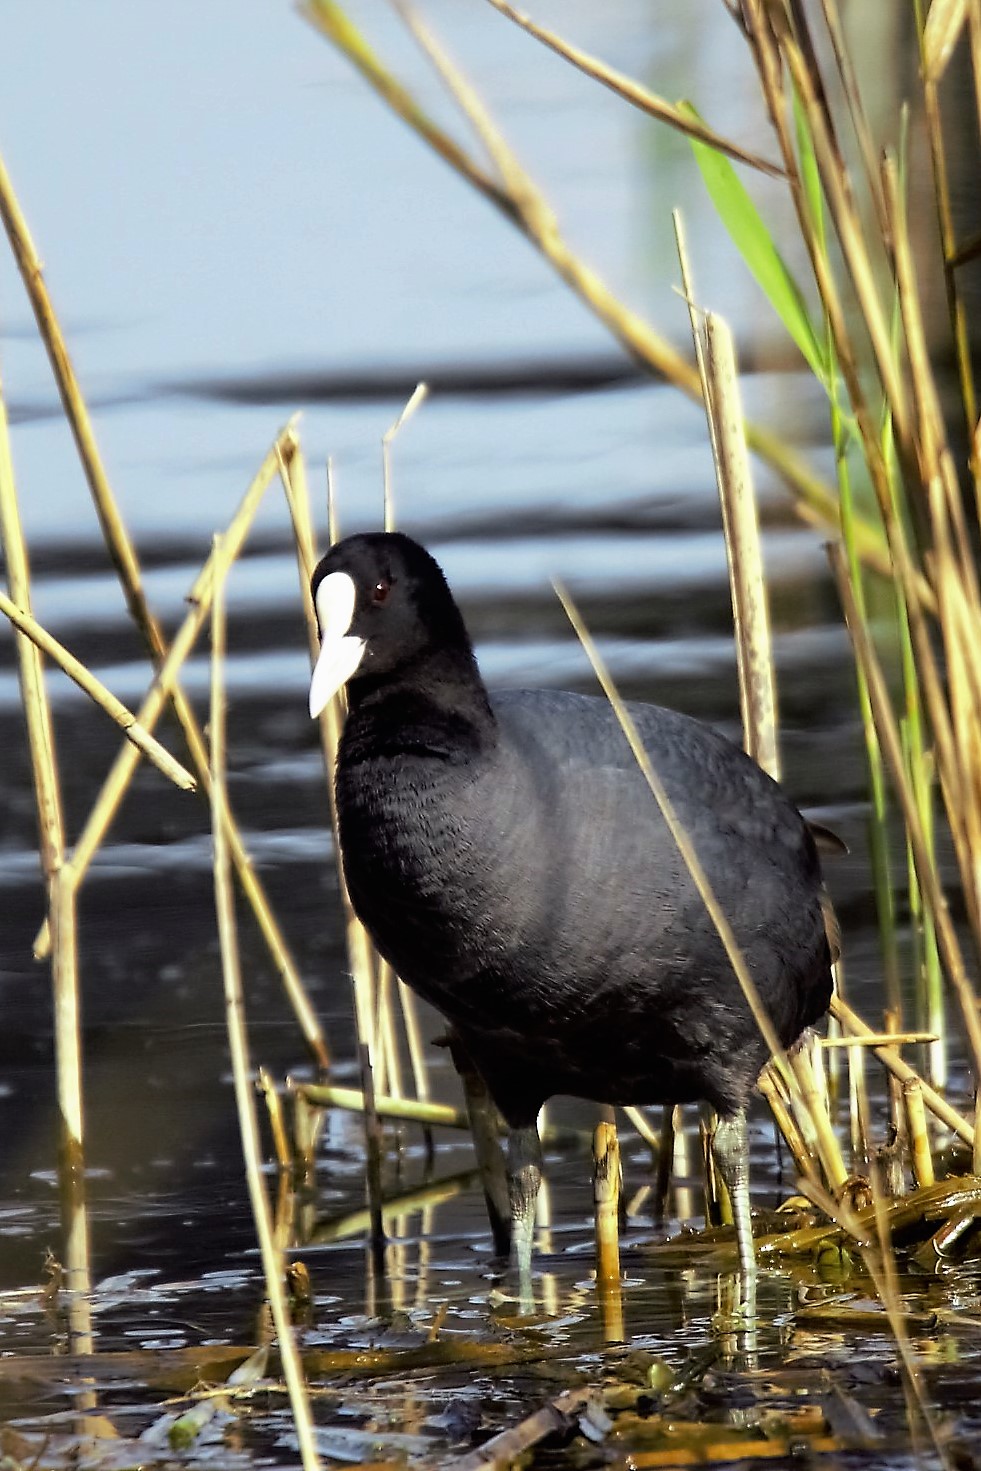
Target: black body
508,858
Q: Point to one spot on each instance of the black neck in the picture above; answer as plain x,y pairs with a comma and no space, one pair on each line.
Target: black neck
436,703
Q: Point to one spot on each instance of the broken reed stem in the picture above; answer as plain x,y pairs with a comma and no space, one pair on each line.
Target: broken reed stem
877,1039
606,1200
272,1260
607,1185
412,1110
97,691
716,359
916,1128
754,653
51,830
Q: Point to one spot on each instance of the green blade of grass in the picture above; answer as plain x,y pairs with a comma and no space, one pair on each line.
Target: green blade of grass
755,244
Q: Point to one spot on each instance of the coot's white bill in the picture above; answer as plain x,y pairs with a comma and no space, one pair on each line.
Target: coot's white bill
340,652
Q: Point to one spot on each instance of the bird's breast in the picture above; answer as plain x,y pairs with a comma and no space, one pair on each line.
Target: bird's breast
430,864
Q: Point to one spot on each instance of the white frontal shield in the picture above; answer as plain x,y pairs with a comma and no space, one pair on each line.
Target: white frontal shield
340,652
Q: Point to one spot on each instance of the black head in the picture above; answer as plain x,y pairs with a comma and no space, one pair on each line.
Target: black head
383,607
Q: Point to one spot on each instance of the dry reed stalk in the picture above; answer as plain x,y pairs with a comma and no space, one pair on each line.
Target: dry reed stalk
916,1130
51,830
374,1140
387,1062
770,57
936,48
851,236
522,204
637,95
878,1039
829,1152
816,1058
76,413
272,1260
718,1202
891,1059
650,1136
858,1105
716,359
124,767
670,1121
784,1120
940,34
897,1112
856,110
926,872
742,537
607,1185
412,1110
361,952
97,692
416,400
879,1262
407,1001
413,1038
606,1201
30,672
277,1119
965,713
677,831
307,1120
124,557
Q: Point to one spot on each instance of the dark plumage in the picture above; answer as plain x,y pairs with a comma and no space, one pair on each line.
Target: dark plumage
508,858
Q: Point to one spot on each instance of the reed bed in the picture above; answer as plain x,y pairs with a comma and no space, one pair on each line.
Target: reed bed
901,517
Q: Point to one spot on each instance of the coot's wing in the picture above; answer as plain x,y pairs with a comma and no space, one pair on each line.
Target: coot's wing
619,889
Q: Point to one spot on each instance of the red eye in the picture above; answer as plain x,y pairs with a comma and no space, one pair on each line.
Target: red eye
380,591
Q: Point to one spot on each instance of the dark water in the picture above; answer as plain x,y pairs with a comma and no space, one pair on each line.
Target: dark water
233,229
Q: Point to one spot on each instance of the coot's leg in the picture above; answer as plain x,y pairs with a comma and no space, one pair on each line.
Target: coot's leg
731,1147
485,1126
524,1178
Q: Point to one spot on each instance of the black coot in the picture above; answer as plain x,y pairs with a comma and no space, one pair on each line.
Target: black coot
507,857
